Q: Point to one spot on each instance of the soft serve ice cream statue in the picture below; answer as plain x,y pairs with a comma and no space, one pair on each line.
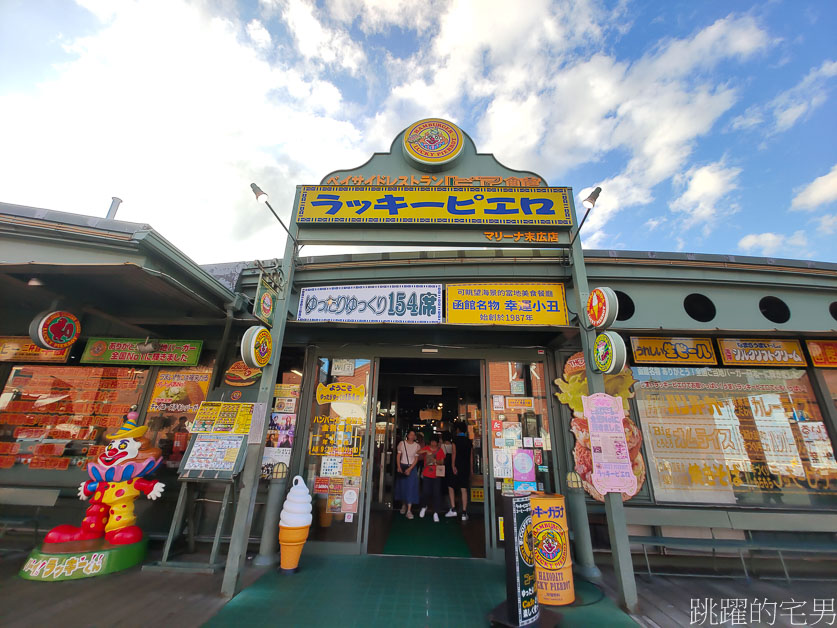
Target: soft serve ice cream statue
294,523
117,478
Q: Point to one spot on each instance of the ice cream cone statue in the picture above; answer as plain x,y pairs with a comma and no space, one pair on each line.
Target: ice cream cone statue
117,478
294,523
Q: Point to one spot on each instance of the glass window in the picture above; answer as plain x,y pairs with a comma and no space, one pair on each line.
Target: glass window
520,440
55,417
336,447
831,383
735,436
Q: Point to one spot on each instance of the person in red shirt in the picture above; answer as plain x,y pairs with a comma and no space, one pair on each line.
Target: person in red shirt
434,469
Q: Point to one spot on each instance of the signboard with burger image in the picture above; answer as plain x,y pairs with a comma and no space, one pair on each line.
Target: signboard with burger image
239,375
573,386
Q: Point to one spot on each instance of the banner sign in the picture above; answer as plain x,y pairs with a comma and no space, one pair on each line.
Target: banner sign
673,351
823,353
125,351
521,588
761,352
23,349
264,303
612,470
507,304
398,303
458,206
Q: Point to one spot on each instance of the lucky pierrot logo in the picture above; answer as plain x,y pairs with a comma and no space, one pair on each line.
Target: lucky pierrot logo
266,304
525,542
550,545
603,352
433,141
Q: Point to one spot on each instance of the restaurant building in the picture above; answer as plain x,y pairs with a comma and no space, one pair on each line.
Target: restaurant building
729,389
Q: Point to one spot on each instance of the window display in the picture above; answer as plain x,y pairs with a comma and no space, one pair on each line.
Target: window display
55,417
735,436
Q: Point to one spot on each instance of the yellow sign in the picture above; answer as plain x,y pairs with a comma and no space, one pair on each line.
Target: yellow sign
347,393
352,466
477,495
223,418
507,304
673,351
433,141
520,403
22,349
457,206
761,352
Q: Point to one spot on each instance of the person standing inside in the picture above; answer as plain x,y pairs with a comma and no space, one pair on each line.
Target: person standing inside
462,462
407,489
434,470
447,481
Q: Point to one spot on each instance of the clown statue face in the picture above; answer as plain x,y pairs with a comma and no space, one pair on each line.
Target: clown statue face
117,478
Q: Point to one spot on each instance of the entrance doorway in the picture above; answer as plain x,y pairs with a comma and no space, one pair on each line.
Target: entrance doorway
438,399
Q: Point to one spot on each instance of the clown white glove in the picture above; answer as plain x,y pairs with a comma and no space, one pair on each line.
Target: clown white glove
156,491
81,494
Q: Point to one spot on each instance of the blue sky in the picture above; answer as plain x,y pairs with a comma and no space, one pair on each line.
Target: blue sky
710,126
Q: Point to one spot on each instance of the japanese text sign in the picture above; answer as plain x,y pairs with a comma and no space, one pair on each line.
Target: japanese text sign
224,417
761,352
507,304
400,303
521,588
125,351
460,206
673,351
612,472
22,349
823,353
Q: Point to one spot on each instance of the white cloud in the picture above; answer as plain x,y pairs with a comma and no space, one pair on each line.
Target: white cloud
317,42
769,244
258,34
828,223
792,105
820,191
704,189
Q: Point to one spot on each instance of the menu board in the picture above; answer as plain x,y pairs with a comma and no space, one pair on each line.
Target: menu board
224,417
214,456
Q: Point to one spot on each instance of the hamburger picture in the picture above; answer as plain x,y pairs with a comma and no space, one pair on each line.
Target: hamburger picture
240,375
573,387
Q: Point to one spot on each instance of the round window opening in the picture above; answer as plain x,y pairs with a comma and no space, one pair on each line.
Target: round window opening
833,309
699,307
626,306
774,309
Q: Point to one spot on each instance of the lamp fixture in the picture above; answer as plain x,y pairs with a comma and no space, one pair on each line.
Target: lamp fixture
35,282
296,372
588,203
149,346
261,197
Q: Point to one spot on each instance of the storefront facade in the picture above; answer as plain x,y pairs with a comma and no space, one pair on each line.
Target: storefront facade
729,390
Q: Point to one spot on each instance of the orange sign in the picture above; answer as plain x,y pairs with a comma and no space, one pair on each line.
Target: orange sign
673,351
22,349
823,353
602,307
761,352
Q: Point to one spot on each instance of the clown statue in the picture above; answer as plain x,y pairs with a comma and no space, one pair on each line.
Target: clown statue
116,479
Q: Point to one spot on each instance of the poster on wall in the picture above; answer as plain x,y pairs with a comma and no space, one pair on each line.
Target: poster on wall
280,430
572,386
502,463
523,463
612,471
275,462
397,303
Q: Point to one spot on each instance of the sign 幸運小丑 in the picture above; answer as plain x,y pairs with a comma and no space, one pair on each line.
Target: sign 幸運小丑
507,304
432,142
23,349
609,352
55,330
823,353
648,350
256,347
761,352
428,207
399,303
126,351
264,303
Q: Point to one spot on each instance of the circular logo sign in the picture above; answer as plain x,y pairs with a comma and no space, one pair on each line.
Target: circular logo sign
609,352
235,395
266,304
524,541
55,330
602,307
256,347
433,142
550,542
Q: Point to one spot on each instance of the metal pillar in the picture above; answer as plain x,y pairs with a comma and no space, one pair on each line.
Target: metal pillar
616,524
237,556
270,530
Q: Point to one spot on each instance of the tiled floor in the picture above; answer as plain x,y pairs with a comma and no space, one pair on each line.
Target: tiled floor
390,591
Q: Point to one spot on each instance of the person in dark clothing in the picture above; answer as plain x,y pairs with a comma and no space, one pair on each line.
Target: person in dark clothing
462,461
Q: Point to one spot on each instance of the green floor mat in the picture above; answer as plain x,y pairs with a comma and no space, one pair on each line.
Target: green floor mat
389,591
424,537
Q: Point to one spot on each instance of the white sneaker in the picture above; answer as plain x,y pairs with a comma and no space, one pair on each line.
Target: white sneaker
450,513
464,516
410,515
436,517
404,509
422,511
